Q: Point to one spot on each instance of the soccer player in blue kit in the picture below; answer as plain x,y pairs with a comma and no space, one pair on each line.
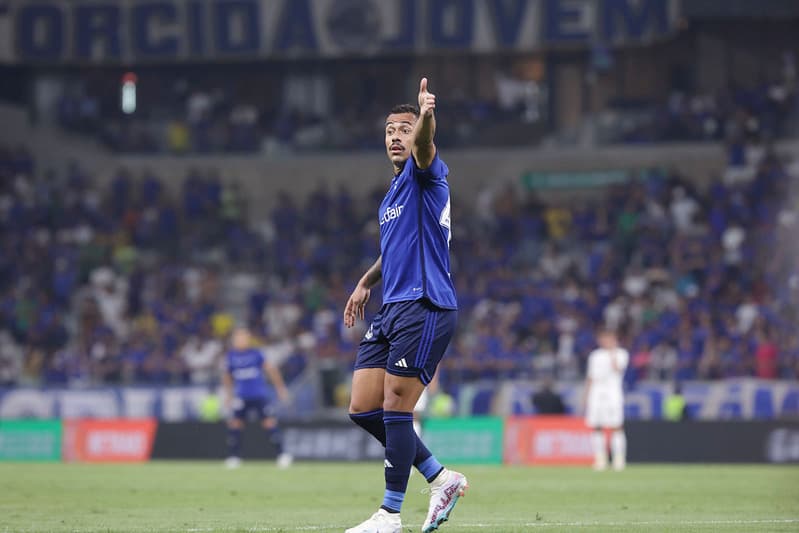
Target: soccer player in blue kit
400,352
246,391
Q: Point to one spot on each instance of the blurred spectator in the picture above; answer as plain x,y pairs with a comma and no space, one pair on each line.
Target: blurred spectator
11,358
674,406
201,355
765,354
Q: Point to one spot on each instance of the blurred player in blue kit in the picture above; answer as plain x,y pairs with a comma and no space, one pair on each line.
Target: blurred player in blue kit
246,391
406,340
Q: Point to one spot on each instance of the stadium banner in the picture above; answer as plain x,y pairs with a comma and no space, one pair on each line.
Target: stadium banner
203,440
126,31
338,440
729,399
713,442
527,440
30,440
109,441
547,440
308,440
163,403
476,440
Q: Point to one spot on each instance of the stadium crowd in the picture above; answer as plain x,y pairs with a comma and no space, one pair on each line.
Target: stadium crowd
217,111
208,119
126,283
765,111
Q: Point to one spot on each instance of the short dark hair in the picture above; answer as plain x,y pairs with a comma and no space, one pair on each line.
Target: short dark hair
404,108
607,330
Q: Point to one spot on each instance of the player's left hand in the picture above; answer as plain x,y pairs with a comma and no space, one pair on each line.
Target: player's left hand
356,305
427,100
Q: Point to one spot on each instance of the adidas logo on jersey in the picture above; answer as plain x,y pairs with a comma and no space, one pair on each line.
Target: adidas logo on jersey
401,363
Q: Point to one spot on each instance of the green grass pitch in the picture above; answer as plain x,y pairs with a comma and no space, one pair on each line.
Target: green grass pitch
202,497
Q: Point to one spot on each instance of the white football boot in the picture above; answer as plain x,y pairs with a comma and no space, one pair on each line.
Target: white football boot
444,493
380,522
232,462
284,460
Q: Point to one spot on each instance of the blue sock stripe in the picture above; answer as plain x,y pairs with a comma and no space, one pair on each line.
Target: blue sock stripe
422,340
430,467
427,335
366,414
397,417
425,332
393,500
430,339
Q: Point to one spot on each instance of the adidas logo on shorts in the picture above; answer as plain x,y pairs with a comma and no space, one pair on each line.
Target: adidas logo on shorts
401,363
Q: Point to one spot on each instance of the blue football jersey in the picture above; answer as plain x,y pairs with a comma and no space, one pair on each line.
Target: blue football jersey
247,369
415,234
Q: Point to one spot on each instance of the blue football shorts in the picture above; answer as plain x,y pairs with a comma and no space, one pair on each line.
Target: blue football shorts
256,407
407,339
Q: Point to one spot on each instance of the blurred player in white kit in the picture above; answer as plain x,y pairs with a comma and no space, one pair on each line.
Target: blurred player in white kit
605,400
420,410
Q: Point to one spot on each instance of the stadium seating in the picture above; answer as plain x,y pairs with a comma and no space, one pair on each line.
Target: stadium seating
141,271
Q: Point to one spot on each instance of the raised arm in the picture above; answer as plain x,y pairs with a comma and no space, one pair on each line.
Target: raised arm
424,150
357,301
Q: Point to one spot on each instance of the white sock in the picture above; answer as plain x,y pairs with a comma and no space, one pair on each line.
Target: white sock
600,449
618,445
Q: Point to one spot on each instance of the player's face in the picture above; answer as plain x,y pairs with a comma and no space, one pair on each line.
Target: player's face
241,339
399,136
608,341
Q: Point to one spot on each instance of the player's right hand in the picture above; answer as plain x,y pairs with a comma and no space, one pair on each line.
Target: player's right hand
356,305
427,100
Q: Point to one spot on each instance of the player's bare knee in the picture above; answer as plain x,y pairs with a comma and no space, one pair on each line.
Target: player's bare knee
365,403
392,402
367,390
401,393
